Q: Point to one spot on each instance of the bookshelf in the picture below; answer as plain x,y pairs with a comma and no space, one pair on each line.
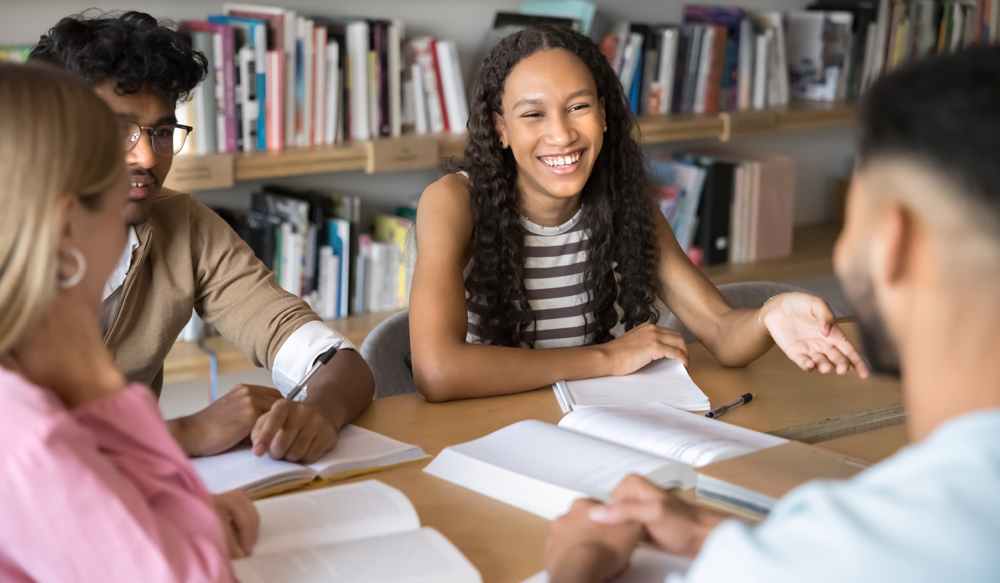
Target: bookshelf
810,256
412,152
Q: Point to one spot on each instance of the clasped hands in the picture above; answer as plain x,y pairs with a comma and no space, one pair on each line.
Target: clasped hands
593,542
283,429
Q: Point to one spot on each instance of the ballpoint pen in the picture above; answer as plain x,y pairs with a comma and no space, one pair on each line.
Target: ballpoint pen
322,360
744,399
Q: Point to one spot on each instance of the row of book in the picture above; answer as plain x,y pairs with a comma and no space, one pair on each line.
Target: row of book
278,79
314,244
726,206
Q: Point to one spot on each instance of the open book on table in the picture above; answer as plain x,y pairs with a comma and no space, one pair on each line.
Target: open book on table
661,381
364,532
543,468
358,451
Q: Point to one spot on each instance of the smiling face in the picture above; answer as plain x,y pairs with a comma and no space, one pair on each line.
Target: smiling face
553,123
146,168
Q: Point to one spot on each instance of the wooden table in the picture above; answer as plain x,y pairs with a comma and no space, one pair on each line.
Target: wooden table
506,543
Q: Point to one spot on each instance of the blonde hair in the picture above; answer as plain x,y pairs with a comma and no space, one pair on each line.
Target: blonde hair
57,139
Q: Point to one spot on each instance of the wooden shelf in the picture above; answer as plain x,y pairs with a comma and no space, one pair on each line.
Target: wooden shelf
811,256
191,173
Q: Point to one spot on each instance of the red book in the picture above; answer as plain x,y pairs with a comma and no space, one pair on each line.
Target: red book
608,47
713,89
275,100
440,86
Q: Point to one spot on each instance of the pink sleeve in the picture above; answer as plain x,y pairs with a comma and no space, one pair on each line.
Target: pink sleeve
103,493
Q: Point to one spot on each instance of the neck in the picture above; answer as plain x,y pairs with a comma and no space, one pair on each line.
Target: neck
544,209
950,365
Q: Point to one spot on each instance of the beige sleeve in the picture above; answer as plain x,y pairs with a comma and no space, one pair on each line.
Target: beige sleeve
237,294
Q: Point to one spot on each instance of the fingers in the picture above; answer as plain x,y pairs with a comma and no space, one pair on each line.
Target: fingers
671,345
823,363
840,362
267,428
635,487
852,354
323,442
643,512
232,542
822,311
246,521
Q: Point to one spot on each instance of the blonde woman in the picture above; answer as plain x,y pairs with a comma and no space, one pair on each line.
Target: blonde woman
92,487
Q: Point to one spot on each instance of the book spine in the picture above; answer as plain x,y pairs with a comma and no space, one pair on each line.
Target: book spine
229,81
395,80
275,100
384,128
715,97
439,86
320,86
419,100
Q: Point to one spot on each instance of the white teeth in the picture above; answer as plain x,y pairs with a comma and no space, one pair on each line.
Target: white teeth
557,161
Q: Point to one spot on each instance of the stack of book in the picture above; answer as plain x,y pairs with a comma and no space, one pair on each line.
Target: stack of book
314,244
279,80
726,206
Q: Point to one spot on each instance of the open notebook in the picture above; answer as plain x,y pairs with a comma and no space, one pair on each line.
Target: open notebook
543,468
661,381
364,532
358,451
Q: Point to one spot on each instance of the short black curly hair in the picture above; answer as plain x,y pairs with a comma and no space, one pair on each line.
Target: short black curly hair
131,49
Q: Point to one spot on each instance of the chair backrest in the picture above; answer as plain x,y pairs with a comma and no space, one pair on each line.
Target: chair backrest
748,295
387,352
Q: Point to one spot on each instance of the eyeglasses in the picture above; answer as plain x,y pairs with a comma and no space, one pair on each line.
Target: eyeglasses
166,140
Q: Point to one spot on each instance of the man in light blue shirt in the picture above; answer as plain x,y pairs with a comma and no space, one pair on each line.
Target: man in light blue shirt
919,258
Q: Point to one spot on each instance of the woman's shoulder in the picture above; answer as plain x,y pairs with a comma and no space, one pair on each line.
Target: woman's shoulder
447,200
26,410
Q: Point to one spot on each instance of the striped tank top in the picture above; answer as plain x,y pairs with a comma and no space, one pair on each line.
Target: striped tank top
555,262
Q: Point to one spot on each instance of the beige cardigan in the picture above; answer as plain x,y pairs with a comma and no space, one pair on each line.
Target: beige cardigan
188,257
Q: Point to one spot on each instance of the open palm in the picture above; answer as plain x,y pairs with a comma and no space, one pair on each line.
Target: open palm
804,328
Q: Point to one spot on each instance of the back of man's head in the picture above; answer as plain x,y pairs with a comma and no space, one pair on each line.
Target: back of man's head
942,116
131,50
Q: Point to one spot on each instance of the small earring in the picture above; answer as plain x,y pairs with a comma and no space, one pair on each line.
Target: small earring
605,128
503,145
77,277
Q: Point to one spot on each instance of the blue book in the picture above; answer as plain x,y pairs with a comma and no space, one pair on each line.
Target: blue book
256,36
339,238
635,91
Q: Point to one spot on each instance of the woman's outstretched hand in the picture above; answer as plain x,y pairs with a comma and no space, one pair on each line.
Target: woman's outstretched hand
804,327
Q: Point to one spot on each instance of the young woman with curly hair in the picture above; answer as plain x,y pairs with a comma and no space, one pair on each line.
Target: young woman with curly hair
548,239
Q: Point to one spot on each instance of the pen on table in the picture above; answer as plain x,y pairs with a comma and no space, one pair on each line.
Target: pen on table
322,360
744,399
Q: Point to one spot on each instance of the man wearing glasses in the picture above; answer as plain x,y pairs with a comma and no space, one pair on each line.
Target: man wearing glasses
182,256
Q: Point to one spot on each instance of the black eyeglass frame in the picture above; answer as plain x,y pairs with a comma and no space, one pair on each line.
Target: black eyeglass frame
130,144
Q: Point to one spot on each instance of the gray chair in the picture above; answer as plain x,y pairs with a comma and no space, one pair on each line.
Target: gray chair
748,295
387,352
387,347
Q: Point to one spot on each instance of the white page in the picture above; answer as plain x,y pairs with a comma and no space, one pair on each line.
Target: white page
360,448
329,515
541,468
661,381
677,435
646,566
416,556
240,468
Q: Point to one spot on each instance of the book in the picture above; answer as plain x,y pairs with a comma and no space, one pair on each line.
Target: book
819,51
454,88
543,468
678,188
251,94
275,100
360,532
713,235
663,381
357,54
423,53
755,481
333,93
772,23
205,103
731,19
223,63
395,56
358,451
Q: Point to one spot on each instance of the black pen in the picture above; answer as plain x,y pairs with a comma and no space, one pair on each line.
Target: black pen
725,408
322,360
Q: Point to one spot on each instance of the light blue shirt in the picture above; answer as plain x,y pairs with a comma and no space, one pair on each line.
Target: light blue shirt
929,513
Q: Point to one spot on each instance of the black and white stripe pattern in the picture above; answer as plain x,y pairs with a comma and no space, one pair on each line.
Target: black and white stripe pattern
555,261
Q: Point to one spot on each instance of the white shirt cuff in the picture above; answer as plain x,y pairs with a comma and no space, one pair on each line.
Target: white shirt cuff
300,351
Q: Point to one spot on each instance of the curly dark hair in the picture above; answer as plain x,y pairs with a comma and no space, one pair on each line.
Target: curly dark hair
622,257
132,49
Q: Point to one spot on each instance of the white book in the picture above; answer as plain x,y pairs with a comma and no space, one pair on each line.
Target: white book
645,566
354,533
543,468
668,61
630,61
761,61
357,450
329,276
247,98
395,33
220,93
333,91
454,87
305,121
320,85
424,57
357,53
420,121
663,381
704,68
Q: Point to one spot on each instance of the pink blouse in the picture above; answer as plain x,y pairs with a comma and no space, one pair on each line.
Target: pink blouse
100,493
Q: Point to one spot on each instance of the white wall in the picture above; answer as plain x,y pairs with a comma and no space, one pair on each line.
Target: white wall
821,155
